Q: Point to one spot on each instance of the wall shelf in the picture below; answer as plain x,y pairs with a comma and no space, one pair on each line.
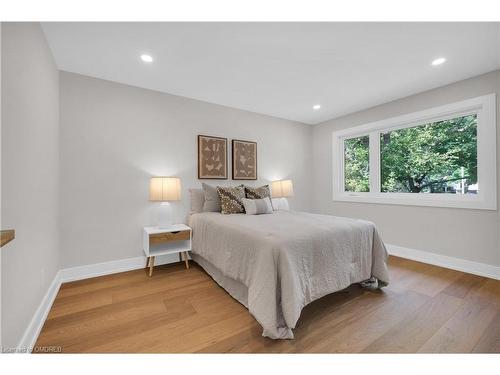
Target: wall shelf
7,236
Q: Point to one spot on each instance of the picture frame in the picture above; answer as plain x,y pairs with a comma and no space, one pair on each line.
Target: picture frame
212,157
244,160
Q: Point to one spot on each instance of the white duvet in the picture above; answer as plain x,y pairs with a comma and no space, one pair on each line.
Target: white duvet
288,259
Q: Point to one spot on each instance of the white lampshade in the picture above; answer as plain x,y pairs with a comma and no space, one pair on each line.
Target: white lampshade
282,189
163,189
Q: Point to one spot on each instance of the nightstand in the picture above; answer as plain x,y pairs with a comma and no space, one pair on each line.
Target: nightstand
161,241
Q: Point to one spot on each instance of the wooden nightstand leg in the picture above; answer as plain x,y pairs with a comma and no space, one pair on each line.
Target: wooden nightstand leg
185,253
151,265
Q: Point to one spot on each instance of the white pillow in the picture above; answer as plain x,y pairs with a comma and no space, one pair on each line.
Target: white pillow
211,201
197,200
257,206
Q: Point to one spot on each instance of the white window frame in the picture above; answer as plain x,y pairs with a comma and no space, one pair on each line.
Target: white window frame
483,106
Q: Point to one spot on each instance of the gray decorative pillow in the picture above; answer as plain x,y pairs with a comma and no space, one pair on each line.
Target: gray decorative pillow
231,199
197,200
258,206
212,199
258,192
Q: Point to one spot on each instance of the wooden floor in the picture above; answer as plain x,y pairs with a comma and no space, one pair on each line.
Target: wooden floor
424,309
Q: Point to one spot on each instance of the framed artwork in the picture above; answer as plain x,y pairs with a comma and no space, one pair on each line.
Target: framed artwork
212,157
244,160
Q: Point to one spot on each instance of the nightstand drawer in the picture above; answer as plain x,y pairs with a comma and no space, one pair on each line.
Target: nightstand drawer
159,238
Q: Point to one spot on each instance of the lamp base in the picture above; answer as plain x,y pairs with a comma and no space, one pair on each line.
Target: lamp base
165,215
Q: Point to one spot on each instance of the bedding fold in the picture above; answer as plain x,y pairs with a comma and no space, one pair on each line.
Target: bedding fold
289,259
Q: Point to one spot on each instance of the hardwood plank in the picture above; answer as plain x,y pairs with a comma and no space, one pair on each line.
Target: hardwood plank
488,293
122,291
413,331
425,279
95,322
313,316
410,274
490,341
462,331
95,313
83,326
316,319
125,291
400,268
65,306
238,342
155,332
123,336
203,336
425,308
435,280
157,284
465,285
356,334
96,283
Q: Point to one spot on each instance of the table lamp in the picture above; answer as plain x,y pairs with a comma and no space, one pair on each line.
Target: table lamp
282,189
165,190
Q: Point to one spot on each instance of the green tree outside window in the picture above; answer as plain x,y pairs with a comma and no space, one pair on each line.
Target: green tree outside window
433,158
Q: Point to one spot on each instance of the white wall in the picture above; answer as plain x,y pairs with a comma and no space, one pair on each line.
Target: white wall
76,168
461,233
114,137
30,174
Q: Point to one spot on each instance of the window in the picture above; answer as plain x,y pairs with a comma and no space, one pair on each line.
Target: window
443,157
356,164
439,157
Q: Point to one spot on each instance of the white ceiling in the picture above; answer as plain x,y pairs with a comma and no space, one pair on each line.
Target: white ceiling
280,69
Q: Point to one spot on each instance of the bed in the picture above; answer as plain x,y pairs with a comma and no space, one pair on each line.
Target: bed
276,264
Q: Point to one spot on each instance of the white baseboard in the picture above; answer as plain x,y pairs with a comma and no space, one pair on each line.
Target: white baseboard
31,334
114,266
468,266
79,273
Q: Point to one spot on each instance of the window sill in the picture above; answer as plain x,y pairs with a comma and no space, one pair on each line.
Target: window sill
426,200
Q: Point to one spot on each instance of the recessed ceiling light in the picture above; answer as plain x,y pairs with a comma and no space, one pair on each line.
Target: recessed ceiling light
438,61
316,107
146,58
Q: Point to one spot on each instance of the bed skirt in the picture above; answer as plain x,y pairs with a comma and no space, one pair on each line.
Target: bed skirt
236,289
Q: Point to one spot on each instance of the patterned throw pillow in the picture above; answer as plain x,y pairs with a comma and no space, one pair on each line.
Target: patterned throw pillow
231,199
258,192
